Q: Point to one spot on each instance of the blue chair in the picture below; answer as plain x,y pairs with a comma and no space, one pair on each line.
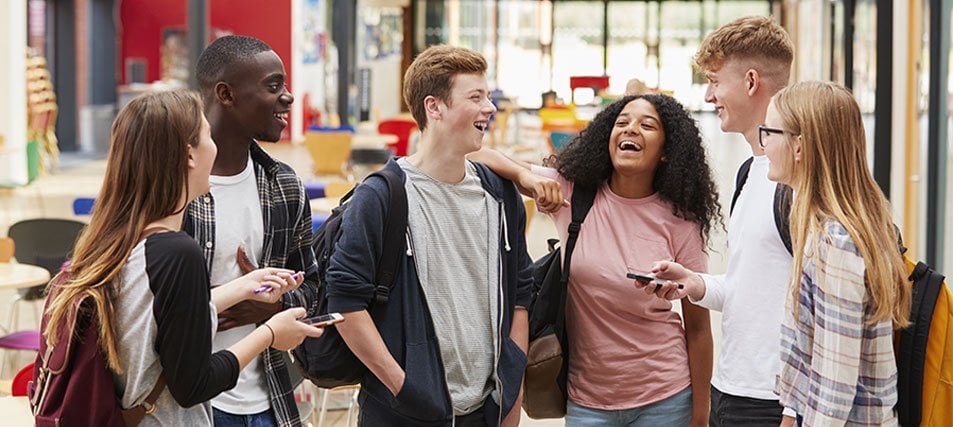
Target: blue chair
83,205
342,128
560,139
314,190
317,219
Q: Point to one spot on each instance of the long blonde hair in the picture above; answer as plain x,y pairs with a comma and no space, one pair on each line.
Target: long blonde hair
832,180
146,178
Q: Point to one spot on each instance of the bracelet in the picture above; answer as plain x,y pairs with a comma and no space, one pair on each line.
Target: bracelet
272,334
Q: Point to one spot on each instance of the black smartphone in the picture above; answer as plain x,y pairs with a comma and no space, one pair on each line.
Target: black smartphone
649,279
323,320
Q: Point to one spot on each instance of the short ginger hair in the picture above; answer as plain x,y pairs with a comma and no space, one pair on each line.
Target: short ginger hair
432,74
759,40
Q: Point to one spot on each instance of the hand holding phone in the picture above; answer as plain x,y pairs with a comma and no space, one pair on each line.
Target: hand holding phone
650,279
323,320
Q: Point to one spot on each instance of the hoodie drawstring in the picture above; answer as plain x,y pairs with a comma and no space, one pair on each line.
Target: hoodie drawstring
506,233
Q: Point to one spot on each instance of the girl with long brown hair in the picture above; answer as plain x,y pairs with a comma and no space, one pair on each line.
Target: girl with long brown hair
149,281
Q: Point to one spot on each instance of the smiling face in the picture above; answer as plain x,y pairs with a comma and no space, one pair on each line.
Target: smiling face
262,101
780,148
466,114
728,91
635,144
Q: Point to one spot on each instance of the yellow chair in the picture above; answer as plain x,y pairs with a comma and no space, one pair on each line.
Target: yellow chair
6,249
330,152
530,206
337,189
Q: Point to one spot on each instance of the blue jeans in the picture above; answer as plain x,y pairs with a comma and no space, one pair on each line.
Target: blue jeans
261,419
673,411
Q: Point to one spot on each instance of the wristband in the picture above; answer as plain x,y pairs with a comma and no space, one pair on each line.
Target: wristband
272,334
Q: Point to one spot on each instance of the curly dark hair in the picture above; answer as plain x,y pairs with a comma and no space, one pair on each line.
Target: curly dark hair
684,178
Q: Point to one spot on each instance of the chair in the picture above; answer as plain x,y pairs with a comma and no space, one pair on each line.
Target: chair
530,206
6,249
500,123
352,406
45,242
330,151
83,205
337,188
559,139
401,128
20,340
21,380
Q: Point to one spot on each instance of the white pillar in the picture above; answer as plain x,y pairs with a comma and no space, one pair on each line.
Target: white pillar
297,72
13,166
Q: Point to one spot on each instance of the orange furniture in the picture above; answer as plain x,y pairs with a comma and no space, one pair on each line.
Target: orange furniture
401,128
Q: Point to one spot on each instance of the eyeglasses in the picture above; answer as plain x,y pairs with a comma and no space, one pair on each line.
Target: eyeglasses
764,131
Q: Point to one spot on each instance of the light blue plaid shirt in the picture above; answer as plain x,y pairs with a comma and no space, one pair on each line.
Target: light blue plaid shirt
836,368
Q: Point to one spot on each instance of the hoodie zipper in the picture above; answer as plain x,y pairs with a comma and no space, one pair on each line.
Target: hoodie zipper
499,303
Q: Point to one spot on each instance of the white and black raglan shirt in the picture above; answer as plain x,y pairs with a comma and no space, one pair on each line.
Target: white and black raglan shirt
165,322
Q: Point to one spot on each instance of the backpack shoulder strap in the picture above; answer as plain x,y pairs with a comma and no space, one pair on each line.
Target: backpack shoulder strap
395,226
740,180
582,199
783,196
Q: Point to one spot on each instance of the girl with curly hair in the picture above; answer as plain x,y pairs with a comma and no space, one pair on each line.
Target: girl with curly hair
655,199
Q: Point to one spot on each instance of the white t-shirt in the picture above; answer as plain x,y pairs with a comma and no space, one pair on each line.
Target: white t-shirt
751,293
238,221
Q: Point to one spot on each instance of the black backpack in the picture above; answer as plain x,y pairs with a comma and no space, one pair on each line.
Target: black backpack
782,203
545,391
327,361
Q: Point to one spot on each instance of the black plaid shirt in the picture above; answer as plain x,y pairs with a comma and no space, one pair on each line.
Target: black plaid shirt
286,214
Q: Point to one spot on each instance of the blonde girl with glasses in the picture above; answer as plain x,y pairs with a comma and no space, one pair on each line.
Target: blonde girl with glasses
846,296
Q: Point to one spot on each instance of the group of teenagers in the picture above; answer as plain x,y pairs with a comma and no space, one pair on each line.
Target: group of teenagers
199,259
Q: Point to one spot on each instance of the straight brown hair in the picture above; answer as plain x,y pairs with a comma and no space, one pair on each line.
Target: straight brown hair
146,180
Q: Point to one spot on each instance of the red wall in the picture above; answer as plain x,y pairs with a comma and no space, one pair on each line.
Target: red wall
142,22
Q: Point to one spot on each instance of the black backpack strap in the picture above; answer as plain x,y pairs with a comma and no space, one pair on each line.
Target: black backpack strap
783,197
740,180
927,285
395,228
582,199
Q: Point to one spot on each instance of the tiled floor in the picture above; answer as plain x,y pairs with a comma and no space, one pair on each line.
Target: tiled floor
52,196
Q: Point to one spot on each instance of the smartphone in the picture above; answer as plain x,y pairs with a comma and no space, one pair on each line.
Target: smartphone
323,320
649,279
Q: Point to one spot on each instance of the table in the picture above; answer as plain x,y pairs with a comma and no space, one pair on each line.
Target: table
16,411
16,276
324,204
372,140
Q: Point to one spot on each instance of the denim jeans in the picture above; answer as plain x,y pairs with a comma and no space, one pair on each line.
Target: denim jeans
673,411
728,411
261,419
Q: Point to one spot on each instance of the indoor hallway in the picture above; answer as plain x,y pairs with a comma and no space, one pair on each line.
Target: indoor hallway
52,196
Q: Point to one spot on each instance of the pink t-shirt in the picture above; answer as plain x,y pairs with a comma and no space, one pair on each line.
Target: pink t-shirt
627,348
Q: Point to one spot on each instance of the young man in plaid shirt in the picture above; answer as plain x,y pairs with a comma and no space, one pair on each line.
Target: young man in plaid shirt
255,215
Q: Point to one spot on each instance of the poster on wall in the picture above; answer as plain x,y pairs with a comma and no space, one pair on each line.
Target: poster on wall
174,55
382,32
314,36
